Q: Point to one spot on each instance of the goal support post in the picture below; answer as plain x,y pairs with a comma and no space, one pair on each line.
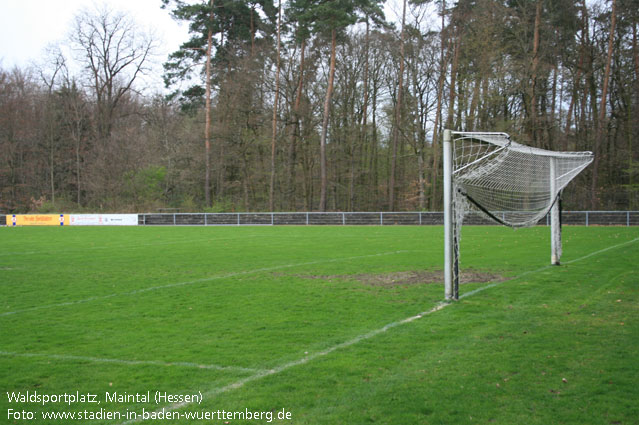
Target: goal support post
555,217
449,248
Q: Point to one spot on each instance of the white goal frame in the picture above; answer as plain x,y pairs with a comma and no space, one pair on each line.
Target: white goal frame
452,228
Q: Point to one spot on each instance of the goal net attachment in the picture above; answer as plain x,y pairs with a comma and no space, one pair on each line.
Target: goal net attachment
507,182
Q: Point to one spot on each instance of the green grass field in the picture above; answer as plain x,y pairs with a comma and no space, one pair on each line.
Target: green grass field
293,320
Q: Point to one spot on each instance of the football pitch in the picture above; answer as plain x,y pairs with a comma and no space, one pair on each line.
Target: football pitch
317,325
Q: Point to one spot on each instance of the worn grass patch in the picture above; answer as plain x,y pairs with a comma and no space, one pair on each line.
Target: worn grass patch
411,277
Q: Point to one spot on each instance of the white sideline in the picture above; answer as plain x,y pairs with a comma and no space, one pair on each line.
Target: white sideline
131,362
191,282
371,334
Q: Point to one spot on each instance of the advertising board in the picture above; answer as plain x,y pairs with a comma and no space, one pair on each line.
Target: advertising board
36,220
102,219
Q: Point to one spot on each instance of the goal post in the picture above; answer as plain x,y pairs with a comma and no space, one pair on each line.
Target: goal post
451,230
507,182
555,217
450,279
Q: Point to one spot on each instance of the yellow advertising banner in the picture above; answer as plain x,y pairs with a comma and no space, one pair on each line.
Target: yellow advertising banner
36,220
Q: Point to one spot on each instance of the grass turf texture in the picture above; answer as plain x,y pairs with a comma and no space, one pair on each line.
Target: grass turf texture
229,312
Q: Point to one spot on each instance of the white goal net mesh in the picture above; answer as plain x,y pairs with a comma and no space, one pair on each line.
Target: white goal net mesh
511,183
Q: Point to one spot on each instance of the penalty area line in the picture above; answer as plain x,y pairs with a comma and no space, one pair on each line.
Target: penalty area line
306,359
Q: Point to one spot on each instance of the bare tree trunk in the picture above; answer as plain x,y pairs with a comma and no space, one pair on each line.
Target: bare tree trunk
74,120
50,129
296,130
374,166
533,77
253,30
574,94
246,181
473,104
51,172
50,124
589,90
602,108
207,124
363,130
453,79
604,90
77,166
553,104
635,50
275,101
421,177
635,124
398,117
438,113
307,174
327,109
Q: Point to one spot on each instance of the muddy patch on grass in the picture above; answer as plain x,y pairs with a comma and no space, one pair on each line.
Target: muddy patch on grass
414,277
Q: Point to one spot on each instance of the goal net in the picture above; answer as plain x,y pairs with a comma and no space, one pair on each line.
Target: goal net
510,183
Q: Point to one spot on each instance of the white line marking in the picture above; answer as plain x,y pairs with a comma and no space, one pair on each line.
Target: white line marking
303,360
191,282
549,266
131,362
602,250
122,247
371,334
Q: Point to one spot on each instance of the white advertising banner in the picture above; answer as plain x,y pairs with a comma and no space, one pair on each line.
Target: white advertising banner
103,219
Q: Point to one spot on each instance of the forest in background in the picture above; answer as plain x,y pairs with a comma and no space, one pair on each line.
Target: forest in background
316,105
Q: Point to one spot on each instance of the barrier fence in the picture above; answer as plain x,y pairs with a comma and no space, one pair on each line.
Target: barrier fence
579,218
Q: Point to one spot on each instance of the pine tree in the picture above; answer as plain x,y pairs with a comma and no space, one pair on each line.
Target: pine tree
330,18
233,21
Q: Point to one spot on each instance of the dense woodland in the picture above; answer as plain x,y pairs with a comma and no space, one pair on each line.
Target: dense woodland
318,105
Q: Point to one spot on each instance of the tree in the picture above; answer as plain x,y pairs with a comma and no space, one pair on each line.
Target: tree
50,81
602,108
301,34
115,54
20,162
554,73
275,104
398,115
221,31
207,124
77,122
444,34
330,18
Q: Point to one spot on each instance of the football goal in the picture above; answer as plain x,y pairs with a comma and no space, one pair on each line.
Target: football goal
507,182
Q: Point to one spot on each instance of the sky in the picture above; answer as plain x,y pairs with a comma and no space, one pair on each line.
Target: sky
28,27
